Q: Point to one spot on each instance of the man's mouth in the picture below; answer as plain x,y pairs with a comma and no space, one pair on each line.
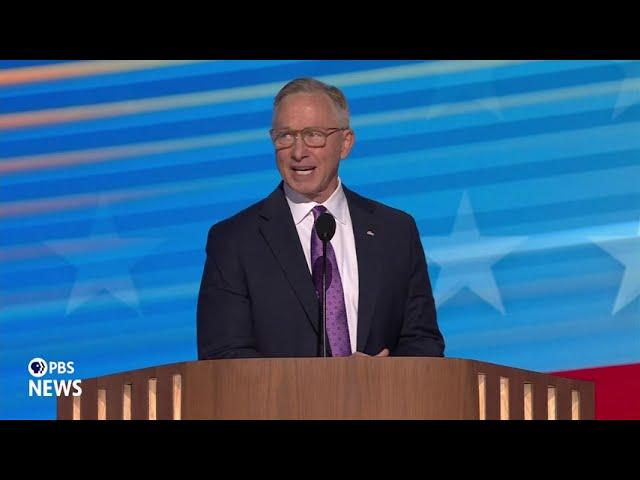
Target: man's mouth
303,170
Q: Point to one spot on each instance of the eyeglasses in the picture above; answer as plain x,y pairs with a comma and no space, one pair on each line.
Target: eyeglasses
314,137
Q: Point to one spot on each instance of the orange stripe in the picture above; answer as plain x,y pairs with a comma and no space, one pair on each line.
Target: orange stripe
44,117
48,205
45,73
39,162
79,157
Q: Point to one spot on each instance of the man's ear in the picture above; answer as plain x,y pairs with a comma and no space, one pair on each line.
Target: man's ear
349,138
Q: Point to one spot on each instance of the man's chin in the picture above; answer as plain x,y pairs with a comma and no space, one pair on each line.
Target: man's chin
303,187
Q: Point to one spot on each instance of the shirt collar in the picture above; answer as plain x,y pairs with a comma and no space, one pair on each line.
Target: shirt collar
301,206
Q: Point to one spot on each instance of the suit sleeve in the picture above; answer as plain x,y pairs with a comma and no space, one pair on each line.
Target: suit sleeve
420,335
224,324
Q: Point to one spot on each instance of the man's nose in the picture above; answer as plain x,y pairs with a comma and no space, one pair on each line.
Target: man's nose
299,148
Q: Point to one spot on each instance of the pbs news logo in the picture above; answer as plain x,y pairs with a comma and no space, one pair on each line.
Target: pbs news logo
48,387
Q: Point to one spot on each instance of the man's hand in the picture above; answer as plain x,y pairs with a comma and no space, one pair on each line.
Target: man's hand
383,353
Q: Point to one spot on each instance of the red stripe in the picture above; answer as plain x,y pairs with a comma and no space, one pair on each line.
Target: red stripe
617,390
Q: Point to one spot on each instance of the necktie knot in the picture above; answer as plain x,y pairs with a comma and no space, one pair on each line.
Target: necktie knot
318,210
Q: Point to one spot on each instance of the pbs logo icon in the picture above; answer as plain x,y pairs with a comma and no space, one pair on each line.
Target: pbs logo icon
37,367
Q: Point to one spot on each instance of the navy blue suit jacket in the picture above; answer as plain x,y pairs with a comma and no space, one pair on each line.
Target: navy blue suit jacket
257,297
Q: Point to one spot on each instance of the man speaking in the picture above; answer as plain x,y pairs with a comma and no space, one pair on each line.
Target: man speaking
262,285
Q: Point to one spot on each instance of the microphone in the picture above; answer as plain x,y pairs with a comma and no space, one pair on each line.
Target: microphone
325,228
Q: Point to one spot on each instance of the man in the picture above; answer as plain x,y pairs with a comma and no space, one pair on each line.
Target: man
262,279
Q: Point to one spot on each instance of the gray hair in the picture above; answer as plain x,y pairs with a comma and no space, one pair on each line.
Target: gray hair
311,85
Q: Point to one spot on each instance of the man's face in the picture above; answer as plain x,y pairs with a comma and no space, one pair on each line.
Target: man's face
311,171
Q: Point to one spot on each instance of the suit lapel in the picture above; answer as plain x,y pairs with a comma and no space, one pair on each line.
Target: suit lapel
368,250
280,233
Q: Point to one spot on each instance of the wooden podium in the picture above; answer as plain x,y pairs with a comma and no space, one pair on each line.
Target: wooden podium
330,388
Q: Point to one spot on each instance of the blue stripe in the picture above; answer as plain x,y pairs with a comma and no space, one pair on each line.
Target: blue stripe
438,94
525,219
466,136
470,179
149,133
113,314
6,64
186,265
166,117
61,230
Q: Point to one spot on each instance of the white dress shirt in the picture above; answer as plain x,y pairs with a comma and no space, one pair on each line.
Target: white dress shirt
343,244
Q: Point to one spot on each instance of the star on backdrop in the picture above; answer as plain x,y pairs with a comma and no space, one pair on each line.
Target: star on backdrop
626,250
629,93
466,258
103,261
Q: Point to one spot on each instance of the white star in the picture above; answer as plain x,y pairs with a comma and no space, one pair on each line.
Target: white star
629,93
103,261
625,249
466,258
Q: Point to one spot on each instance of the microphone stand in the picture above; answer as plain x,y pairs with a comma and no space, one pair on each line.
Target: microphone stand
324,298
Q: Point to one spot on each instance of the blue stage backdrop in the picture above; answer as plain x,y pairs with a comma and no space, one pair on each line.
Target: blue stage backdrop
523,177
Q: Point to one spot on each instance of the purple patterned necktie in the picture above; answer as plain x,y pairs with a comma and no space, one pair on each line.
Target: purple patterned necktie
337,328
